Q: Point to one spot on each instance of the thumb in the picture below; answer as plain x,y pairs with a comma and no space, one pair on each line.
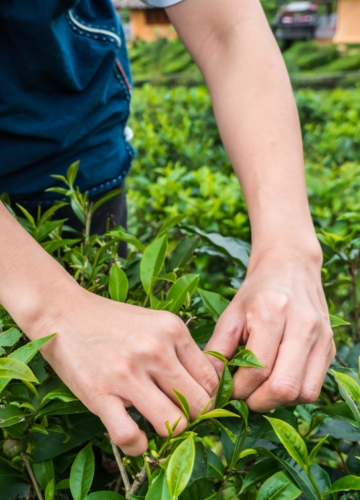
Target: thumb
226,336
122,429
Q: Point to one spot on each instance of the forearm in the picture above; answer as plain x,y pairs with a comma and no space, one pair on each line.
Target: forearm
32,283
257,119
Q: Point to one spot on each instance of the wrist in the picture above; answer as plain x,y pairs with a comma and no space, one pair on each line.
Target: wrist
287,250
38,312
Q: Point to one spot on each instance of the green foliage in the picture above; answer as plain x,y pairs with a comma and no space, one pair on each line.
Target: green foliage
228,452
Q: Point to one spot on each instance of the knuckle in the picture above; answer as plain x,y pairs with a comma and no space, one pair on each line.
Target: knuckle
209,381
310,394
267,306
284,391
148,347
174,325
311,322
329,336
125,437
259,374
332,350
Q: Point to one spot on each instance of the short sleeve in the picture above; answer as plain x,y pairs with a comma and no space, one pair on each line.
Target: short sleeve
161,3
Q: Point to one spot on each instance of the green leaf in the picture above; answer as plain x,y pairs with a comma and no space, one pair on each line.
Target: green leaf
29,217
246,358
25,354
12,368
121,235
350,391
225,388
38,428
62,393
9,476
10,337
340,410
242,408
50,490
231,435
218,413
105,495
169,223
184,404
238,251
180,467
52,245
152,261
348,384
82,473
28,351
292,441
44,473
315,450
63,485
200,468
216,467
285,462
10,415
50,212
159,490
62,408
183,252
166,277
334,322
217,355
201,489
78,211
279,487
179,290
344,484
108,196
43,231
214,302
261,471
72,172
118,284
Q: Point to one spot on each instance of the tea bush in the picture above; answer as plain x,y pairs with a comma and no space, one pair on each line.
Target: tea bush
54,448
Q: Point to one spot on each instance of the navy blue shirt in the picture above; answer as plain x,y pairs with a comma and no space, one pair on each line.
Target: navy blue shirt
65,89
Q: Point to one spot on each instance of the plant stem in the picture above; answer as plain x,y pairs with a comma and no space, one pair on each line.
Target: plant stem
88,222
122,469
337,448
31,474
118,484
308,472
141,478
28,494
353,269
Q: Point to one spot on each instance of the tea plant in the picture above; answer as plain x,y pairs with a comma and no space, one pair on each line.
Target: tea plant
54,448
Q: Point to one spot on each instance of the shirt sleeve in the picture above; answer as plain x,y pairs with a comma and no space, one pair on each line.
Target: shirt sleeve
162,3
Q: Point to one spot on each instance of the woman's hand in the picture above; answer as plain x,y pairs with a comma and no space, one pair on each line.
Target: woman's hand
280,313
114,355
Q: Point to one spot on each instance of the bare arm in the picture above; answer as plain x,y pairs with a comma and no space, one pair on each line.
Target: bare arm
280,310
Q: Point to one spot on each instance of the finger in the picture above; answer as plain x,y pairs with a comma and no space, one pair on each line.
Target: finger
154,405
180,380
319,361
197,365
285,382
121,427
265,329
226,337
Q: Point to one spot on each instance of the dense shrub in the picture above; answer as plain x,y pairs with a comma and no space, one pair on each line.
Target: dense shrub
52,442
